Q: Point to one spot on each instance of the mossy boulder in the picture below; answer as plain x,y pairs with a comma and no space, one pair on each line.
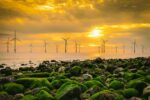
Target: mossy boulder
44,95
13,88
116,85
91,83
137,84
34,82
56,84
75,71
68,92
147,79
6,71
132,76
104,95
29,97
130,92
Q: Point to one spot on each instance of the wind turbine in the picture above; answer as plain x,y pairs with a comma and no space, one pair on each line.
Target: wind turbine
116,49
134,46
104,46
45,46
66,43
76,47
99,49
15,39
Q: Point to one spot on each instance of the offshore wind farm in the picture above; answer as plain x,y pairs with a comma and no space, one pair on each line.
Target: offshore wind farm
74,49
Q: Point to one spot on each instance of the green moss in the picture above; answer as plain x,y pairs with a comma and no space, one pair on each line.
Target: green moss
75,71
29,97
56,84
131,76
13,88
44,95
147,79
120,97
137,84
68,92
93,83
3,93
130,92
116,85
104,95
34,82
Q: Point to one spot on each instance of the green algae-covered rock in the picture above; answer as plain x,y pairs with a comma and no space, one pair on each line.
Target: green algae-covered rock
3,93
75,71
56,84
92,83
130,92
13,88
104,95
68,92
147,79
137,84
44,95
131,76
34,82
116,85
29,97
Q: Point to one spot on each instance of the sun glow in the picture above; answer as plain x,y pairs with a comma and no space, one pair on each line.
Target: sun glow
96,33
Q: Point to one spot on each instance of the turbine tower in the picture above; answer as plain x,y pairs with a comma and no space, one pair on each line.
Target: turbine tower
134,46
66,43
45,46
15,42
116,49
76,47
104,46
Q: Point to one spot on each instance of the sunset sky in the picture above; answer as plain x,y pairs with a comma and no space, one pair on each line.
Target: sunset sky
86,21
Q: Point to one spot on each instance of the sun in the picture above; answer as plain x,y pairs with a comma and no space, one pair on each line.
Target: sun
96,33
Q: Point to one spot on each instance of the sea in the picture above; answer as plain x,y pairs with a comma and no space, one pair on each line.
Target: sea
16,60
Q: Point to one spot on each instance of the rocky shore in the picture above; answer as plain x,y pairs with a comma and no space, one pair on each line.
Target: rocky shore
98,79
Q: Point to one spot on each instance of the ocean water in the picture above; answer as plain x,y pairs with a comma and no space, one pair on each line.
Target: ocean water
33,59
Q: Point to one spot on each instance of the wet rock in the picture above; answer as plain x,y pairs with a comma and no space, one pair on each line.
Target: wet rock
61,69
75,71
68,92
87,76
7,71
104,95
1,66
13,88
18,96
135,98
146,92
118,70
137,84
35,91
116,85
8,79
130,92
44,95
